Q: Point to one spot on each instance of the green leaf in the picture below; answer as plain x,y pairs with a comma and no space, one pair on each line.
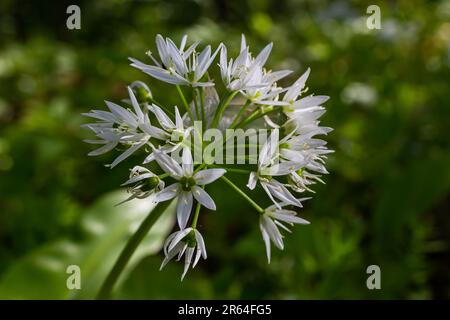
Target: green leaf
42,273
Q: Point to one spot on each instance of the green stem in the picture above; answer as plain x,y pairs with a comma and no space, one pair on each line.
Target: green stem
129,249
242,171
236,119
202,103
248,119
197,111
164,175
185,103
200,167
221,109
243,194
196,214
256,116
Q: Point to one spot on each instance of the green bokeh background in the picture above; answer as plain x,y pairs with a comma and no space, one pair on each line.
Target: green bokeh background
386,201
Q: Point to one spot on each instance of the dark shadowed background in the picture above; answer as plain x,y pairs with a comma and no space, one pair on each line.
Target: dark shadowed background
386,201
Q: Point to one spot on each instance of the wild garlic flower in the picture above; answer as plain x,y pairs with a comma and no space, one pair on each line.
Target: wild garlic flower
288,161
178,66
270,220
267,170
122,126
142,183
188,242
176,133
188,185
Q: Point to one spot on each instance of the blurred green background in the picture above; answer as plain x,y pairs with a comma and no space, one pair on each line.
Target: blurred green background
386,201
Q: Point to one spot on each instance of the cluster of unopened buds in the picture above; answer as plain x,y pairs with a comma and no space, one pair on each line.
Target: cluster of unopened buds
283,156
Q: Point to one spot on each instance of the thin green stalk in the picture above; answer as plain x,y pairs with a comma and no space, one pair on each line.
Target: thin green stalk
249,118
202,103
239,114
196,214
242,171
200,167
222,108
256,116
185,103
243,194
197,111
129,249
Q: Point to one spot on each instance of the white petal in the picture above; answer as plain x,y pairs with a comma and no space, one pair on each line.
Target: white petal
277,75
197,257
202,62
266,239
164,149
273,232
162,49
252,179
243,43
101,115
168,242
223,64
179,121
283,168
164,75
179,236
200,243
203,197
138,64
263,55
184,208
289,217
295,90
278,223
189,50
153,131
209,175
180,63
169,256
180,254
187,165
168,193
138,178
183,42
280,192
103,149
126,154
149,158
135,105
269,149
162,117
168,164
310,101
122,113
187,261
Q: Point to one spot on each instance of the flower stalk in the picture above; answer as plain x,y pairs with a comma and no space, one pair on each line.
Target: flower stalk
127,252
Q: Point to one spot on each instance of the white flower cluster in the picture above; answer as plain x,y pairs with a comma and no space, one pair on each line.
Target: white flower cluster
289,161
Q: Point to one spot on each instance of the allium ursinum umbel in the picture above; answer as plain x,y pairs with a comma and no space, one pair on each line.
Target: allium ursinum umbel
289,162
